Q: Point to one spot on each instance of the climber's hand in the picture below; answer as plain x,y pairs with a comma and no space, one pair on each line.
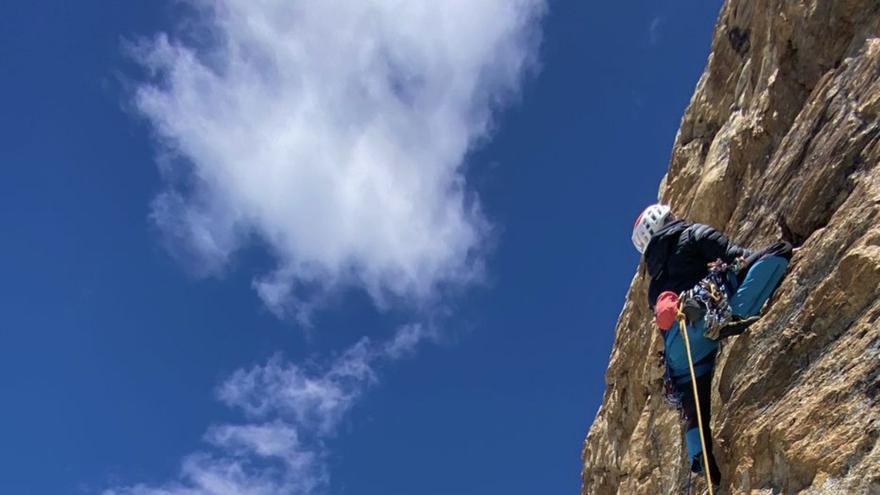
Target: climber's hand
693,310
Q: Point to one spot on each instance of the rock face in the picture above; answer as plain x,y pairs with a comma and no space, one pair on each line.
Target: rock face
781,140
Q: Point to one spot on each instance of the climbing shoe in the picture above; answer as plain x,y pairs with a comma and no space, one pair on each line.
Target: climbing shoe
735,326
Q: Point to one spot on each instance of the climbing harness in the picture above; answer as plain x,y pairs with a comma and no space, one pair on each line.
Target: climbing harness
709,300
687,345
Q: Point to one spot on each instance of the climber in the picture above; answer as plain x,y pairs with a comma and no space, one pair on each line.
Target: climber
678,255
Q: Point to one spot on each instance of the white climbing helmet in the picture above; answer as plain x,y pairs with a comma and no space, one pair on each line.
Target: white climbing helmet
650,221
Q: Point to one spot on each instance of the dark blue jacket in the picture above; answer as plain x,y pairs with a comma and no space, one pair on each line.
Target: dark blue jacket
678,256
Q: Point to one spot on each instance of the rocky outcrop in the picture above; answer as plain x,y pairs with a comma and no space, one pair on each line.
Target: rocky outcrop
781,140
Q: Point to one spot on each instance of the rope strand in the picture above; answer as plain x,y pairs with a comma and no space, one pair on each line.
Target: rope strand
687,345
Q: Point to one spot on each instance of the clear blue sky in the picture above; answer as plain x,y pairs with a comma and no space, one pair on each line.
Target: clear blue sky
112,350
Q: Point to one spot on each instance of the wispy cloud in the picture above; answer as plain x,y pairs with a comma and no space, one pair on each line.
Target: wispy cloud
289,412
335,132
655,29
316,402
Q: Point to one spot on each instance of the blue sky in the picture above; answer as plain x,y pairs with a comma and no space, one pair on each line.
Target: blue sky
142,308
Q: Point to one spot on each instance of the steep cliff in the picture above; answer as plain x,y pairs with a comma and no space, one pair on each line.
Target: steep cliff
781,140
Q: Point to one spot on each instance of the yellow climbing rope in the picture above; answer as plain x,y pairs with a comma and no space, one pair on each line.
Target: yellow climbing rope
687,345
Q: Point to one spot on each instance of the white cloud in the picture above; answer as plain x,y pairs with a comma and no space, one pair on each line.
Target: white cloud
317,402
406,339
654,29
335,132
291,412
203,474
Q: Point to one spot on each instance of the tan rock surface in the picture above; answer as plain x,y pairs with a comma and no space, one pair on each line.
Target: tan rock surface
781,138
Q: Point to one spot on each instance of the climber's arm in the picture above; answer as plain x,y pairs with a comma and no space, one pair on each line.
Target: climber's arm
712,244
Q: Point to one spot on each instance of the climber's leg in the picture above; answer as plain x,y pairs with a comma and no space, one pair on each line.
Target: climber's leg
692,434
765,270
761,279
